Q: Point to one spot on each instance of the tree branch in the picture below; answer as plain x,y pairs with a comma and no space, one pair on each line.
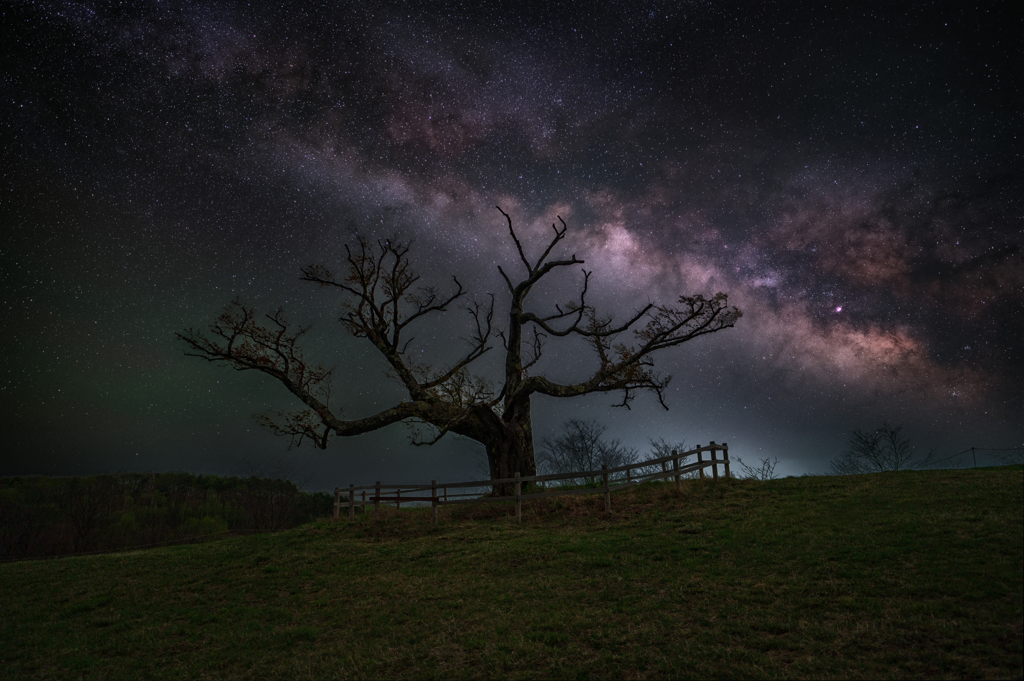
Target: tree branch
378,286
478,344
382,298
237,340
519,246
630,369
559,235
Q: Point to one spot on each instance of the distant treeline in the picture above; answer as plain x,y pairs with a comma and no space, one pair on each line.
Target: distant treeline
42,516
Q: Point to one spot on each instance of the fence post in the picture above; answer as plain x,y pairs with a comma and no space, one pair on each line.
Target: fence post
376,502
362,509
337,502
629,477
664,469
398,498
433,500
675,467
519,503
700,459
714,457
607,492
725,453
351,501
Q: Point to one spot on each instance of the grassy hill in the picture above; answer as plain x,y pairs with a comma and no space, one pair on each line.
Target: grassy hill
884,576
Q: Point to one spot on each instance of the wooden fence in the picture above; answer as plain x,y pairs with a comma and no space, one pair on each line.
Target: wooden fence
612,480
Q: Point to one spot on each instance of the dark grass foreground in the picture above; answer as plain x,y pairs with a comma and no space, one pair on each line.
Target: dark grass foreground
882,576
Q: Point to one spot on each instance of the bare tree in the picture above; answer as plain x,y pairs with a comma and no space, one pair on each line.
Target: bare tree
381,301
766,471
84,503
1014,458
660,448
883,449
582,447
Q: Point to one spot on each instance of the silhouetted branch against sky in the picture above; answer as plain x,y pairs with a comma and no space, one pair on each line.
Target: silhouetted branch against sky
380,302
849,176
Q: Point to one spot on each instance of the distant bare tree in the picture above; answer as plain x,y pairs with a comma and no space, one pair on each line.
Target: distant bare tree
766,471
84,503
660,448
883,449
582,447
382,300
1014,458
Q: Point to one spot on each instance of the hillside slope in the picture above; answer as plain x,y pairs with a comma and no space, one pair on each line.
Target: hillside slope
890,575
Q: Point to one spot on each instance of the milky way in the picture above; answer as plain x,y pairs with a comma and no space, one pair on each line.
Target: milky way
851,178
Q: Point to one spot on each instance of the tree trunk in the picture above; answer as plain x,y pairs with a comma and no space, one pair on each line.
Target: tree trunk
512,452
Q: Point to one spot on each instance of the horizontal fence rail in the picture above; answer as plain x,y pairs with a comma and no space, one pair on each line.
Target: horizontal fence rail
612,480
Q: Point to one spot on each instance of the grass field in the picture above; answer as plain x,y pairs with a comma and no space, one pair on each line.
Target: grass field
882,576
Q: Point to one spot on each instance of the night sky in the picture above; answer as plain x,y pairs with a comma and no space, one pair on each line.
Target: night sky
851,178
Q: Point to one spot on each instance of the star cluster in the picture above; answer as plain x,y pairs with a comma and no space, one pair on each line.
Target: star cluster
851,177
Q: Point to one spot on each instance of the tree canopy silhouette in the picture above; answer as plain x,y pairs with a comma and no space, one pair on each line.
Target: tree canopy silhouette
583,447
875,451
381,302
